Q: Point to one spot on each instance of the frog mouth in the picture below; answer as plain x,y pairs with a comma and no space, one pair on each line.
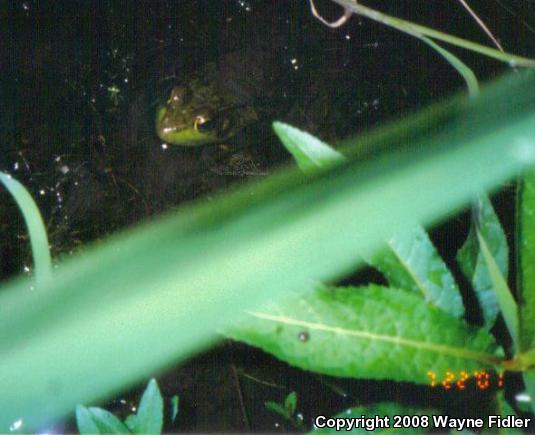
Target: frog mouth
183,136
188,136
204,129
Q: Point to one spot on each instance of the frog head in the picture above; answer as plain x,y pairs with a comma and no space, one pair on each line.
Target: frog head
197,114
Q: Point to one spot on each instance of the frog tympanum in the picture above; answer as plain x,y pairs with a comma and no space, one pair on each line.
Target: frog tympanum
200,113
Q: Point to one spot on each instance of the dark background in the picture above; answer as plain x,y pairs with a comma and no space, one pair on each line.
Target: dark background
79,84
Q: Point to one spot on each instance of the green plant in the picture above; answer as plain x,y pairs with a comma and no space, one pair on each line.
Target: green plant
147,419
36,228
414,329
287,410
195,271
422,32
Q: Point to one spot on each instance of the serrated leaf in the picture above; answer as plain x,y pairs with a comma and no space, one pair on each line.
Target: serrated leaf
84,421
150,411
367,332
98,420
526,246
290,403
505,299
309,152
411,262
473,265
380,410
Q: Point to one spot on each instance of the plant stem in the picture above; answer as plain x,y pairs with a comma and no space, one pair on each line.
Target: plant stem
414,29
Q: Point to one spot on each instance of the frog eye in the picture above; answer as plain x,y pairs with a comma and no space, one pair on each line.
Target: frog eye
203,124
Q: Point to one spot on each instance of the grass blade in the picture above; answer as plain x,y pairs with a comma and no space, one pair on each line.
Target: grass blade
466,73
414,29
35,225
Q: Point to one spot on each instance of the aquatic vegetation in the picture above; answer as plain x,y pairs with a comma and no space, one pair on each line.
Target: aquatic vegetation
147,419
418,31
195,272
287,410
36,228
364,333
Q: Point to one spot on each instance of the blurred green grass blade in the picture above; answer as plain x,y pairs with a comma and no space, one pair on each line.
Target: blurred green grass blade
473,264
411,262
526,247
370,332
309,152
34,223
505,299
155,294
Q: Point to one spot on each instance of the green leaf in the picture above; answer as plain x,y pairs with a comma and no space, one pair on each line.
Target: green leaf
85,422
466,73
380,411
91,420
131,422
276,408
473,264
150,411
526,247
505,299
309,152
35,225
411,262
175,402
367,332
290,404
193,271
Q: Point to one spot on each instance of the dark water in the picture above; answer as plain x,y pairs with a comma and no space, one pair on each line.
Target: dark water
79,84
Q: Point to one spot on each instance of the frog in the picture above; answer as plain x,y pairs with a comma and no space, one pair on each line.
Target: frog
201,112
